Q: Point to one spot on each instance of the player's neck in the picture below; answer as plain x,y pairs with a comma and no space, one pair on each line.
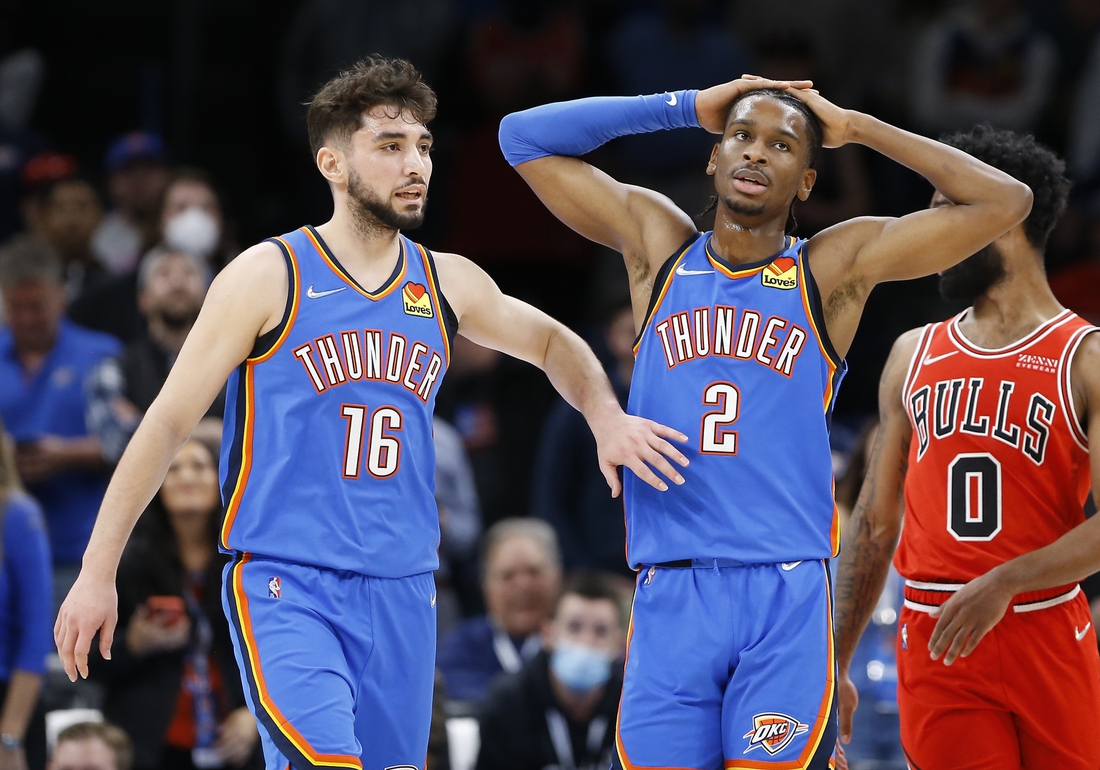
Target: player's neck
1012,309
368,255
741,240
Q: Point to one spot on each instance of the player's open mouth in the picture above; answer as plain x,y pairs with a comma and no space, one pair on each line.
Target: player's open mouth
749,181
411,194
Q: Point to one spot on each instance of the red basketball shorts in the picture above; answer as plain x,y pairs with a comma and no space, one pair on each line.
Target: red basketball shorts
1027,697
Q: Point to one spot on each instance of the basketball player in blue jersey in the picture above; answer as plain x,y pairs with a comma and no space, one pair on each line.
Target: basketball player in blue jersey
742,334
335,340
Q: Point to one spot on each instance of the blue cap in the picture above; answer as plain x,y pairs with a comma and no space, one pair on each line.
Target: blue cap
136,145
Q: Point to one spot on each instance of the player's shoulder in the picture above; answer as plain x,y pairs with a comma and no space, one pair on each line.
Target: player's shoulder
1085,367
262,266
901,352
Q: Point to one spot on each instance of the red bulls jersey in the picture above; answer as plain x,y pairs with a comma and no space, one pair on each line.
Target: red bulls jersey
998,462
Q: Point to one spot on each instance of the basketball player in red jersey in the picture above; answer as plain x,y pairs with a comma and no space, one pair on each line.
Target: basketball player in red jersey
986,421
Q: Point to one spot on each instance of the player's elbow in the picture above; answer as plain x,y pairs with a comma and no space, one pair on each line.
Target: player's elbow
1015,202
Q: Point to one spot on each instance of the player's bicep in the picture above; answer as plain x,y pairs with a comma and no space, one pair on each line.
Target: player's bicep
1085,374
241,301
636,222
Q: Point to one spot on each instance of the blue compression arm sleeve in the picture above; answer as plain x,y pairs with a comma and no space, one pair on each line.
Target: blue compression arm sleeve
577,127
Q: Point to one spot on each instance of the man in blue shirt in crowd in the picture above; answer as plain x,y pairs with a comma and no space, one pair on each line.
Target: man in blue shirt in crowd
44,360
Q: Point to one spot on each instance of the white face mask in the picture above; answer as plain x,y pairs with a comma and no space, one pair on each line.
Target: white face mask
193,231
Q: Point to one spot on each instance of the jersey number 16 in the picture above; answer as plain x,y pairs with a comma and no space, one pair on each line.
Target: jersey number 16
383,450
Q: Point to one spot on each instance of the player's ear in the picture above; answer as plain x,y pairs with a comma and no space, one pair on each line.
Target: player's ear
332,164
809,177
712,164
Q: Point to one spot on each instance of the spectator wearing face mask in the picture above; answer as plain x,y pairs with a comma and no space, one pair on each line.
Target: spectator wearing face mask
521,581
137,173
559,710
189,221
171,289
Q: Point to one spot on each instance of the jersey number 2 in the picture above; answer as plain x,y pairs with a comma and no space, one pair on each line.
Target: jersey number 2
974,497
717,436
383,449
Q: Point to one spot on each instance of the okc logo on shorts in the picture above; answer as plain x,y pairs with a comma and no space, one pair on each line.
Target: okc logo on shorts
782,273
415,299
773,732
274,588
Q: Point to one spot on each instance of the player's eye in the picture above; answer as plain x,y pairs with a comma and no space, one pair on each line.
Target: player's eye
782,146
425,149
741,135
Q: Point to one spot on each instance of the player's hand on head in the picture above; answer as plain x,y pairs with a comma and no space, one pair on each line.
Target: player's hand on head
641,445
712,105
970,614
848,697
835,121
90,607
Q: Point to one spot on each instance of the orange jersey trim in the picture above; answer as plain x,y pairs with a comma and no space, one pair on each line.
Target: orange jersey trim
295,298
661,296
733,273
234,504
330,260
253,657
814,741
804,289
437,298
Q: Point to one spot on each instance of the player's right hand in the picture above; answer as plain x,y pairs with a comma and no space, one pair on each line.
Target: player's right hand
849,699
91,606
712,105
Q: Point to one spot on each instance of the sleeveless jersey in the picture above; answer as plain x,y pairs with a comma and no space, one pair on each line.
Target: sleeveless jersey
998,462
737,359
327,454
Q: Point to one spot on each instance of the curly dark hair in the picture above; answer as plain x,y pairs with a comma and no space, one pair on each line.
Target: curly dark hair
1028,161
336,111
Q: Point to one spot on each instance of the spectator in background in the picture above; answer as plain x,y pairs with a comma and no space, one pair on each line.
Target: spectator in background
560,709
44,361
459,527
173,682
171,289
137,172
982,61
190,220
521,582
25,625
39,175
92,746
21,74
569,491
1083,146
71,212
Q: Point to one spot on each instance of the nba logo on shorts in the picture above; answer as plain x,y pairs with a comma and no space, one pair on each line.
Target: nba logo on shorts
773,732
274,588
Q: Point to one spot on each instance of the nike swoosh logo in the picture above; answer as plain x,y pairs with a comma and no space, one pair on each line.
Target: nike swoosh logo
928,360
1081,634
681,270
317,294
671,100
787,566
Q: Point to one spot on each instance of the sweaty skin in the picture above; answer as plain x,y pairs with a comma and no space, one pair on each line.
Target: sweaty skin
389,156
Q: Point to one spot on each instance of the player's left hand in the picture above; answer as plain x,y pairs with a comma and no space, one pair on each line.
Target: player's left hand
237,737
637,443
840,757
968,616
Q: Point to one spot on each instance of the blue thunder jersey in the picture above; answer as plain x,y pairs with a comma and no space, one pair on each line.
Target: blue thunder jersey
737,359
327,454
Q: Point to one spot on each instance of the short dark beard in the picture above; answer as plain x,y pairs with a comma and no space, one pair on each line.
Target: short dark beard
744,209
973,277
372,214
178,321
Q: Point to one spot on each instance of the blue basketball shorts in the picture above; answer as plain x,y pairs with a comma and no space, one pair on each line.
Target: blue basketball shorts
338,667
730,667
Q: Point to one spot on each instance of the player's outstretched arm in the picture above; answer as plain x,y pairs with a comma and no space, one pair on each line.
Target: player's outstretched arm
872,533
544,145
246,299
977,607
492,319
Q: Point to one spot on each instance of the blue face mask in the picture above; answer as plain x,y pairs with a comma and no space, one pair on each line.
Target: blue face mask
580,668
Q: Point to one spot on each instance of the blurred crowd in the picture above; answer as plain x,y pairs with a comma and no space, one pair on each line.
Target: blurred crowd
123,191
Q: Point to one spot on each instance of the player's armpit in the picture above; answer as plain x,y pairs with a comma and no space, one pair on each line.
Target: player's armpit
643,225
872,532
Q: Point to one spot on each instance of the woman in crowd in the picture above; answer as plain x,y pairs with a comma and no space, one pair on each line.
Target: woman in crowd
173,683
192,218
25,619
